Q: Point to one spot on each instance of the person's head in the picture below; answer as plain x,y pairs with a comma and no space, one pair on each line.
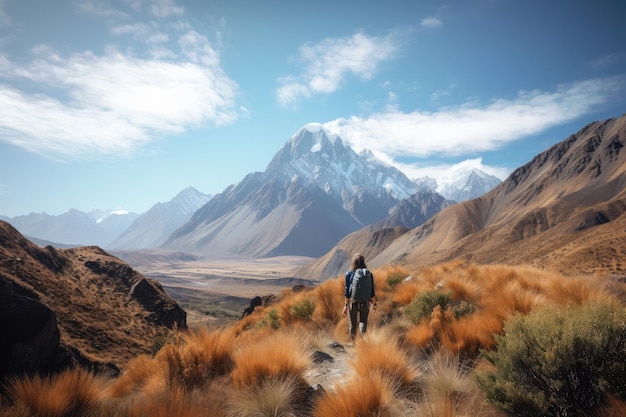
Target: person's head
358,261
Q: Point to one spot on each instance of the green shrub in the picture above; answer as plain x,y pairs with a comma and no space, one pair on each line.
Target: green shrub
395,279
558,362
303,309
270,319
423,304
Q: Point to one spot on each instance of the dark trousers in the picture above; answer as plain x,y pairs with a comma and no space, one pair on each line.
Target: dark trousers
359,311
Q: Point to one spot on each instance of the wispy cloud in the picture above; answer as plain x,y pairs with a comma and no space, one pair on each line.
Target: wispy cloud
86,104
328,63
4,18
473,128
431,23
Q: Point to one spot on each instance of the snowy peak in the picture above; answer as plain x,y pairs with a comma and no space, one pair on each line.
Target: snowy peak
310,141
466,184
189,200
322,159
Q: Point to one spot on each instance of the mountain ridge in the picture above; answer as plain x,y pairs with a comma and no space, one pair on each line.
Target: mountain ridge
315,191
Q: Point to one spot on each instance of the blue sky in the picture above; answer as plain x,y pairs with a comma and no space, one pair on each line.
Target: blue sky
122,104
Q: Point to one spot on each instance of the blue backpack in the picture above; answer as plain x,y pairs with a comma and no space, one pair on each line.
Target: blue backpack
361,287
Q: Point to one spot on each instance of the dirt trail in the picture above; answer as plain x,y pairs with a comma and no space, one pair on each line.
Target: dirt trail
331,365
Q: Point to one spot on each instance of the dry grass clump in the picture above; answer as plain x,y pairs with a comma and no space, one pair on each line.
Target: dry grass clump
281,355
202,355
71,393
141,371
379,352
369,395
271,397
448,386
329,297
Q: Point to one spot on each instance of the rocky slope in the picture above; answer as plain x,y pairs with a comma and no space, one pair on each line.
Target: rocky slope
78,305
563,210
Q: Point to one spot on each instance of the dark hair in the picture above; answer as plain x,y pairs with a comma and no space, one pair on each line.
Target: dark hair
358,261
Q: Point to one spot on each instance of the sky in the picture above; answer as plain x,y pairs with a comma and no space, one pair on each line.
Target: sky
121,104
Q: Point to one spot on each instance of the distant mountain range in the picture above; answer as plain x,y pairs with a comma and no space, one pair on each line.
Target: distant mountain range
74,227
564,210
153,227
110,229
315,191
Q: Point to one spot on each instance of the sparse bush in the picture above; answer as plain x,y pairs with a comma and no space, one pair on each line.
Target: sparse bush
303,309
394,279
270,319
424,303
558,361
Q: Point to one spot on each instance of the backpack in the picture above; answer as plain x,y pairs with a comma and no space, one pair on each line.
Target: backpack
361,287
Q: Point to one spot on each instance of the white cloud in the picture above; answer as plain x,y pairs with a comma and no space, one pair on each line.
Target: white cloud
329,62
111,104
472,128
431,23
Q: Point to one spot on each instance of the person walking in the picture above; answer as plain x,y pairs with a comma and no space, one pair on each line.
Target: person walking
358,294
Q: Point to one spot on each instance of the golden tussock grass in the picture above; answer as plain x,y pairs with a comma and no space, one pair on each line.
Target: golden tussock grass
139,373
330,298
448,388
369,395
272,397
71,393
201,355
406,291
280,355
379,352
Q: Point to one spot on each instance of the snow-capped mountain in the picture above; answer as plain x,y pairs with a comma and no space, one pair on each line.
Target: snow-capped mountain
153,227
314,191
316,155
464,184
98,227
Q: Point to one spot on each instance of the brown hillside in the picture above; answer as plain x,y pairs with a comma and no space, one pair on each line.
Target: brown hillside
106,312
339,258
564,210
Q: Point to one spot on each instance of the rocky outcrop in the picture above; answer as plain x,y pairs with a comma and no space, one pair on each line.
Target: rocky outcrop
30,335
151,295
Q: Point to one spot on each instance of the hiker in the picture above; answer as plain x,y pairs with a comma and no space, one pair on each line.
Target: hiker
358,295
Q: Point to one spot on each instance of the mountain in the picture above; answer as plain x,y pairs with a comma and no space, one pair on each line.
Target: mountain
61,307
462,183
153,227
564,210
373,239
313,192
75,227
